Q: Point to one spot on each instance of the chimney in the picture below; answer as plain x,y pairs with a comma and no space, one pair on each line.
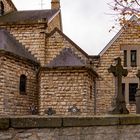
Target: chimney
55,4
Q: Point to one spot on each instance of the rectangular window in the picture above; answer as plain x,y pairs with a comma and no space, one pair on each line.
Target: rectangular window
132,91
123,89
133,58
125,58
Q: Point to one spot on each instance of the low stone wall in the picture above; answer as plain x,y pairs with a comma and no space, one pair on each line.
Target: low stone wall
125,127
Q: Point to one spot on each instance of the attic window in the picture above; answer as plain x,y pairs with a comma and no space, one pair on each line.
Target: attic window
22,86
1,8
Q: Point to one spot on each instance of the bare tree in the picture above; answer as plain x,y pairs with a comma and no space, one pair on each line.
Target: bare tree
124,9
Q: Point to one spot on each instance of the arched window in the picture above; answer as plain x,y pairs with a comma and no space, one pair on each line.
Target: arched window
1,8
22,85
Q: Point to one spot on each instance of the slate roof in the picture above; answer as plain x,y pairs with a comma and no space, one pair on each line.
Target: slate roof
66,59
9,44
26,16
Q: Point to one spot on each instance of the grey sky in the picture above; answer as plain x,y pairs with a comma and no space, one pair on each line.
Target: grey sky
86,22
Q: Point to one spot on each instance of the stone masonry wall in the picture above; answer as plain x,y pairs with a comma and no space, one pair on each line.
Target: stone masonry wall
106,82
56,22
61,89
1,83
7,8
70,128
56,43
14,103
32,36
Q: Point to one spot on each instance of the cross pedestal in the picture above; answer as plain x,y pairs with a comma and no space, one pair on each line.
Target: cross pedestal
119,72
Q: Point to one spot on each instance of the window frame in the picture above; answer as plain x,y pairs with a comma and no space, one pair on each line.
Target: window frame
125,58
133,55
128,48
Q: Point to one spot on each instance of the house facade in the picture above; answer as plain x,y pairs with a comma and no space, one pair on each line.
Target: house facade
44,72
125,45
41,68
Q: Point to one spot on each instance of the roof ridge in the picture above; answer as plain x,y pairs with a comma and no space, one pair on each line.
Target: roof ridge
36,10
28,16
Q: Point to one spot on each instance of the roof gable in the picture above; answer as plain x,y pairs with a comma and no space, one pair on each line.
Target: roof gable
133,18
66,58
69,40
9,44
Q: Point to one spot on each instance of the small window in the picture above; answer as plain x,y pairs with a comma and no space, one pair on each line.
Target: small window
133,58
123,89
1,8
125,58
132,91
22,86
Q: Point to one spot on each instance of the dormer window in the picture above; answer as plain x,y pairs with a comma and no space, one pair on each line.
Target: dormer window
1,8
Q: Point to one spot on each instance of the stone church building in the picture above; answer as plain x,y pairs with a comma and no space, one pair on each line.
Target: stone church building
42,69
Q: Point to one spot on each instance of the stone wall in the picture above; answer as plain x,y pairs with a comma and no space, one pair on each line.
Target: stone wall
8,7
106,81
2,88
61,89
55,22
32,36
56,42
70,128
12,102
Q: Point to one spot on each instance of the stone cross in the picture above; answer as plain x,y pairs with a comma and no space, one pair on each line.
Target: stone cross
119,72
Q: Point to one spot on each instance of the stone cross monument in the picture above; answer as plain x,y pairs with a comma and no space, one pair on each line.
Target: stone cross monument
119,72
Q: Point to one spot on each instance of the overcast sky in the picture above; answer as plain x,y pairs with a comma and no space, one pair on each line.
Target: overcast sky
86,22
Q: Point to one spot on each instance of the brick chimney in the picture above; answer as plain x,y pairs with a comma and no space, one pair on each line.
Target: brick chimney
55,4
